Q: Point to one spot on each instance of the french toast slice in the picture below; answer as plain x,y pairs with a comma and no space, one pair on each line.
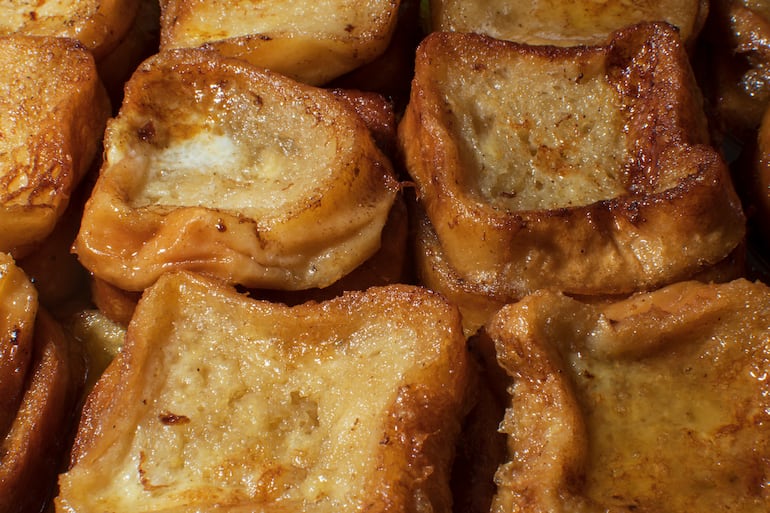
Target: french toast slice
313,42
41,372
53,110
221,402
660,402
219,167
98,25
583,168
555,22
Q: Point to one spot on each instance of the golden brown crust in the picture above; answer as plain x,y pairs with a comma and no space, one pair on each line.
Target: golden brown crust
638,403
52,121
311,42
390,265
476,301
363,393
560,23
97,24
19,309
34,448
668,210
286,190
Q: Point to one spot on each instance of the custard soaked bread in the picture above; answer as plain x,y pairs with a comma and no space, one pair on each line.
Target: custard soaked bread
313,42
562,23
52,115
581,169
216,166
660,402
220,402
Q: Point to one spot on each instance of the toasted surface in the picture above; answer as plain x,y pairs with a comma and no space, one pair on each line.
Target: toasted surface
576,168
656,403
97,24
52,115
564,23
260,180
220,401
40,377
313,42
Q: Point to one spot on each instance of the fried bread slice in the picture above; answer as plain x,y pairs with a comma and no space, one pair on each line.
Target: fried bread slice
220,402
660,402
99,25
312,42
555,22
581,169
40,377
53,110
258,180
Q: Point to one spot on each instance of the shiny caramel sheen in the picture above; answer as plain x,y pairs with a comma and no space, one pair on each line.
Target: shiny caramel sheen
41,372
53,110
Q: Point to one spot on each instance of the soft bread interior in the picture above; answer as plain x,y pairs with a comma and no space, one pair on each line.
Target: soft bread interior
543,133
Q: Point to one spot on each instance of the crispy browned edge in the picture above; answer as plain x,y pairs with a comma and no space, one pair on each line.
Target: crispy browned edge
255,46
35,448
81,123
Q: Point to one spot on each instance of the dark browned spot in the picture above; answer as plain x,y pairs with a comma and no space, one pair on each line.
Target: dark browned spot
146,132
172,419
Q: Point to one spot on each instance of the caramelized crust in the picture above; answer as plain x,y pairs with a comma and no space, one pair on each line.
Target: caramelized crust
52,115
40,378
478,300
97,24
312,42
17,320
555,22
258,180
217,401
660,402
578,168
